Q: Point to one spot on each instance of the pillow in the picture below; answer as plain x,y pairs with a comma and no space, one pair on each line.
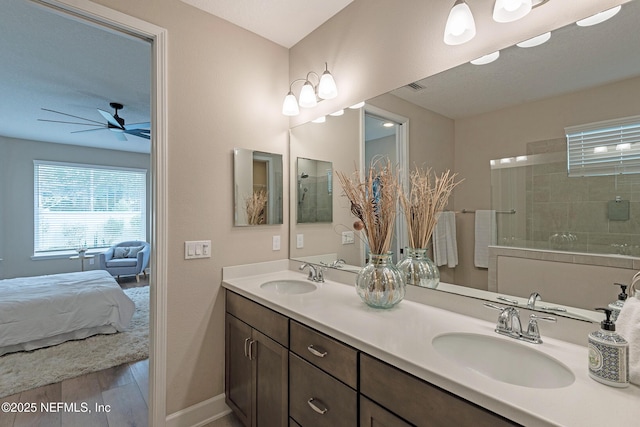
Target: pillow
133,251
120,252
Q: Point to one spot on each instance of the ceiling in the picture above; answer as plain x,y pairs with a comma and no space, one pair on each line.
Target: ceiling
68,65
575,58
284,22
51,61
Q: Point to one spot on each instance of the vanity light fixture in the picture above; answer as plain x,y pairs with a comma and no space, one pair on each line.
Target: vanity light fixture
599,17
337,113
309,94
320,119
487,59
358,105
460,27
535,41
511,10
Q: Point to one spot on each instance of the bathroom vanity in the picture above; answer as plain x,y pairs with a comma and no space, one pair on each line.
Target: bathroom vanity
312,354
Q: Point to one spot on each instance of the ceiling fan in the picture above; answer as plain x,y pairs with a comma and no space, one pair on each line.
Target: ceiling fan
115,123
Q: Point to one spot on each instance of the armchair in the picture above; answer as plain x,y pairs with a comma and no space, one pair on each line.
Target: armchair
125,259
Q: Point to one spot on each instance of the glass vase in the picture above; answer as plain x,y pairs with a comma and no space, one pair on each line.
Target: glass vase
379,283
418,269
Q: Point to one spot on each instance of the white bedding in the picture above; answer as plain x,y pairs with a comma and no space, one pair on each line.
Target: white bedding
47,310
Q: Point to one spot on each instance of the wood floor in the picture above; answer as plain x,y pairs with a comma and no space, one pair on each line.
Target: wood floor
114,397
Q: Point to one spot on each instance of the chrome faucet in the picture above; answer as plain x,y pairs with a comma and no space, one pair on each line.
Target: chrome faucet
334,264
532,300
509,324
316,274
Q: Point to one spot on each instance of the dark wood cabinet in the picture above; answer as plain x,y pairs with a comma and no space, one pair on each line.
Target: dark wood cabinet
281,373
372,415
256,366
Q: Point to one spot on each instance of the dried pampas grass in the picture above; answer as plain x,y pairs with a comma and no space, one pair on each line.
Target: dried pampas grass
427,197
255,207
373,201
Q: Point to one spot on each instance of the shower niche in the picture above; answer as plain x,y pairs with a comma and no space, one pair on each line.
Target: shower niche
314,191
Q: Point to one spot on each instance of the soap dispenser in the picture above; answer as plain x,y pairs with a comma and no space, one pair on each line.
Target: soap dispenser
608,354
616,306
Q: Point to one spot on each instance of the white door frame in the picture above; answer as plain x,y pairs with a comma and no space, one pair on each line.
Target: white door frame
402,156
87,11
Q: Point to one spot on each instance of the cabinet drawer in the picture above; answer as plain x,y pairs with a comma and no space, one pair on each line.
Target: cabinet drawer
419,402
330,355
372,415
335,404
267,321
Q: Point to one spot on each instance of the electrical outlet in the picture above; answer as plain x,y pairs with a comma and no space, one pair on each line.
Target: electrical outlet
348,238
299,241
276,243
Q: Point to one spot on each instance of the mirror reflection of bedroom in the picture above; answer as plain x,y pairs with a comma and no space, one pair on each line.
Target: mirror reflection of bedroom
76,215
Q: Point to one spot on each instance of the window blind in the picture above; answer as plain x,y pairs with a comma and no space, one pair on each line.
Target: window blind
604,148
85,205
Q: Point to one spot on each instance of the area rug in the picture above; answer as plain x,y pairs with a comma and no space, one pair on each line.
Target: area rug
26,370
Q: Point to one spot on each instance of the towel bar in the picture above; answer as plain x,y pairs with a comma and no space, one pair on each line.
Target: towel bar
511,211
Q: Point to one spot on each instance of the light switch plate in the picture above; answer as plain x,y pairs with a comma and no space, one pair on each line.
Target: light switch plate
348,238
299,241
276,243
195,249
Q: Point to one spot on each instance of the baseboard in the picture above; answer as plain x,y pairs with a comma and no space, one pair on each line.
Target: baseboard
199,414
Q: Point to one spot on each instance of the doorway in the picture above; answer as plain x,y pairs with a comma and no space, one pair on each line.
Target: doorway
386,135
119,23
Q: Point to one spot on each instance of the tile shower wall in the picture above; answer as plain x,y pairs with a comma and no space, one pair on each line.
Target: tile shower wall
314,202
562,213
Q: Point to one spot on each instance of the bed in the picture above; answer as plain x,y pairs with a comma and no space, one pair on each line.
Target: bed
41,311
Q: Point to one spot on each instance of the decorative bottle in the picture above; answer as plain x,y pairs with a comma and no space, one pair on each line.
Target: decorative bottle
608,354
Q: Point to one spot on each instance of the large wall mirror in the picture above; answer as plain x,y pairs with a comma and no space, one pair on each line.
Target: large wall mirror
257,187
465,117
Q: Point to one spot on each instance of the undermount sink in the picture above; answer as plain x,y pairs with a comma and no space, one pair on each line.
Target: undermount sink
511,362
289,287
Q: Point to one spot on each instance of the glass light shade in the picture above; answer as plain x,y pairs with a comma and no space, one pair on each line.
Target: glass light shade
460,26
510,10
487,59
320,119
535,41
290,105
599,17
308,96
337,113
358,105
327,88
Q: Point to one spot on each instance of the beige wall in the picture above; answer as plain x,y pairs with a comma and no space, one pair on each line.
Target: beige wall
372,46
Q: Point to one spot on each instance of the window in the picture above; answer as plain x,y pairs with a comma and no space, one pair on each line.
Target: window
604,148
87,205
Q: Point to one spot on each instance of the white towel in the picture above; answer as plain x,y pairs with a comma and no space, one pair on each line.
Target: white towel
445,246
628,325
485,235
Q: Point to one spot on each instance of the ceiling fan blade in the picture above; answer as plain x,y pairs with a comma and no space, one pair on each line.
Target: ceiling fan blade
109,117
71,123
139,133
89,130
132,126
70,115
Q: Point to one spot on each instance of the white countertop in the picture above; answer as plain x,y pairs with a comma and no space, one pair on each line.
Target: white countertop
402,337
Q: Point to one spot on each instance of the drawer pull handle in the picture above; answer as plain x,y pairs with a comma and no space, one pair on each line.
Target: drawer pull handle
246,341
316,352
315,408
251,349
